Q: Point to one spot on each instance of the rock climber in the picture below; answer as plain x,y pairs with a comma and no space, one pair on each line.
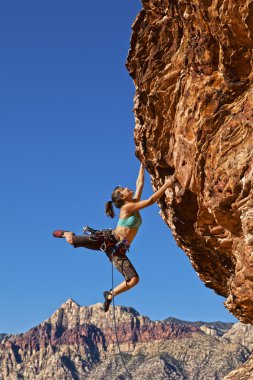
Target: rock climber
115,243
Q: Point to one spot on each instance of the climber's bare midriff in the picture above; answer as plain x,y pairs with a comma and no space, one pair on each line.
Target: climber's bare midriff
126,233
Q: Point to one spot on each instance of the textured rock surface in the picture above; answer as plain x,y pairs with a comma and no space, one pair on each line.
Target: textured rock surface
191,62
241,333
79,343
243,373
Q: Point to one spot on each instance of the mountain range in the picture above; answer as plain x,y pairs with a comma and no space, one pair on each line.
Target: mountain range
79,342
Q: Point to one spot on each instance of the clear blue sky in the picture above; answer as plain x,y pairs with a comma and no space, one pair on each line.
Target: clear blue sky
66,141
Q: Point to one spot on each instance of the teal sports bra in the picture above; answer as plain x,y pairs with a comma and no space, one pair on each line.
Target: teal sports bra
133,221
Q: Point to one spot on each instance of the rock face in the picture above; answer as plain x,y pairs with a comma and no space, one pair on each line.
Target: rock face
240,333
191,62
79,343
243,373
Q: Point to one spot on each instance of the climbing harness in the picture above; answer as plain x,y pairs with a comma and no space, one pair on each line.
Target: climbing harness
109,244
110,248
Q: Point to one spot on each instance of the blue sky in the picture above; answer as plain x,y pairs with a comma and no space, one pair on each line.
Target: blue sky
66,141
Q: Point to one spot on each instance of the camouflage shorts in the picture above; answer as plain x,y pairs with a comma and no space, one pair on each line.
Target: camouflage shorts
122,263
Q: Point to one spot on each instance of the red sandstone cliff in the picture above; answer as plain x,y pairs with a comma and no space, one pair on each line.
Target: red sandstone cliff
191,62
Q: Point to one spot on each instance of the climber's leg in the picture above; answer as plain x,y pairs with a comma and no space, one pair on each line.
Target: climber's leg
126,268
124,286
86,241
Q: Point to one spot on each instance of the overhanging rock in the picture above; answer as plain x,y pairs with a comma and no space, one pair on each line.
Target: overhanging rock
191,62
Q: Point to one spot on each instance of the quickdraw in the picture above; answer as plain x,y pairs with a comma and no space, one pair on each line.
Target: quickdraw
91,231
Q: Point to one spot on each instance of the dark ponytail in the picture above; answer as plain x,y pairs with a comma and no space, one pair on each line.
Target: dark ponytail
109,209
117,200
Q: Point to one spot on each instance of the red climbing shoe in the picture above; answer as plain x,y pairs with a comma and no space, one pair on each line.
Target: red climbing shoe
107,301
59,233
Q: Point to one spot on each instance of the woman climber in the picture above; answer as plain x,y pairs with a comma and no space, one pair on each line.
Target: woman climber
115,243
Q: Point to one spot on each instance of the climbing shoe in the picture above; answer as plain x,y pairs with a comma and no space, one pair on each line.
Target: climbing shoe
107,301
59,233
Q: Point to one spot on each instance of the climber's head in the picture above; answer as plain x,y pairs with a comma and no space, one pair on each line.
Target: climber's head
126,194
120,196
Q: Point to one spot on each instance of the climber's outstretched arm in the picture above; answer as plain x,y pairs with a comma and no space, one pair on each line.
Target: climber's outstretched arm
135,206
139,184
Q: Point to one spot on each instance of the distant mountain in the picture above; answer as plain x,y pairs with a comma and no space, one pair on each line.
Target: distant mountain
79,343
2,336
241,333
217,328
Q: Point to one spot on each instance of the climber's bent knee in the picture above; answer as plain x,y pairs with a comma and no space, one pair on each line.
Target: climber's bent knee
133,281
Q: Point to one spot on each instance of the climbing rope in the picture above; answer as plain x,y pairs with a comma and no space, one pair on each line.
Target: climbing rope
104,247
116,331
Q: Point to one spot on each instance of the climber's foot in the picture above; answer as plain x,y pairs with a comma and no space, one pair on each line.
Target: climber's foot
108,300
59,233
